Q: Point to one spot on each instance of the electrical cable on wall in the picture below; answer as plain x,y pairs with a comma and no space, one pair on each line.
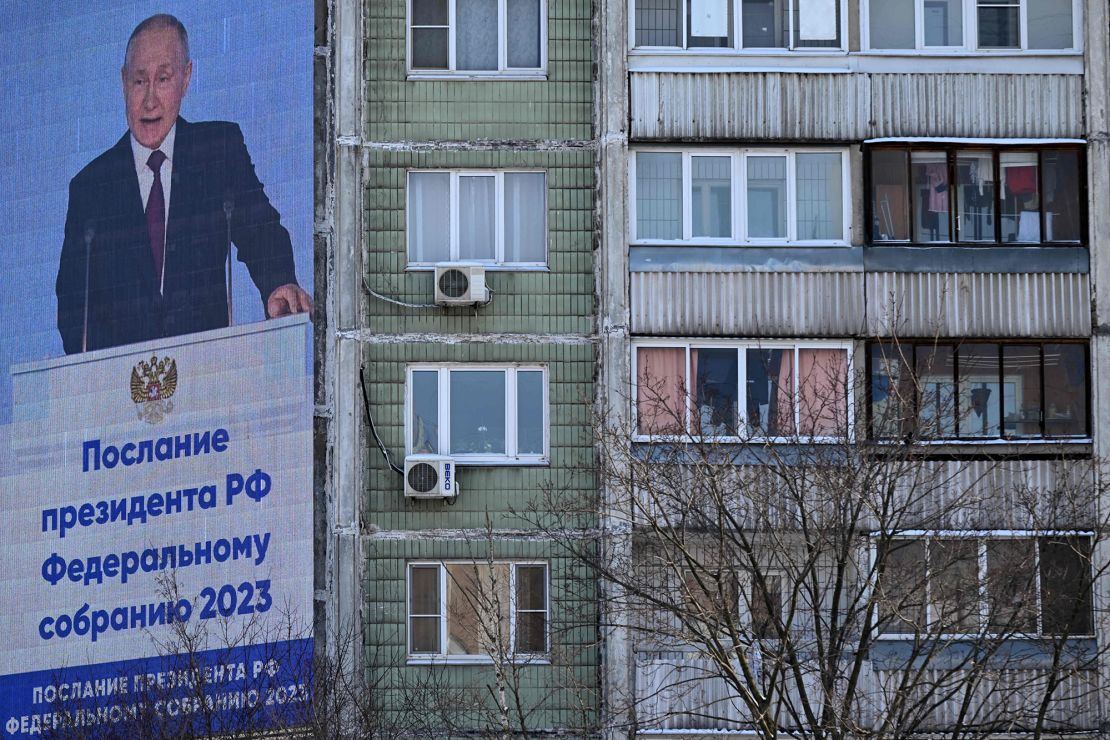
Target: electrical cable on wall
374,429
394,301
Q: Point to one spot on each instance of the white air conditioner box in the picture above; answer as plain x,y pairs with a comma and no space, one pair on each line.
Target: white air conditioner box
430,476
460,284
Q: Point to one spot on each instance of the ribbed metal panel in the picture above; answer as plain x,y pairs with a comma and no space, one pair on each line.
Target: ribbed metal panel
782,304
978,304
762,105
839,107
998,495
977,105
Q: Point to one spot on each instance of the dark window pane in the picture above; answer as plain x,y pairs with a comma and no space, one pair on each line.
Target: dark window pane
1021,390
476,34
531,632
976,196
1011,591
657,22
709,23
901,589
892,390
716,391
954,585
425,634
979,402
1066,586
429,48
770,392
763,23
1062,204
531,587
766,606
478,412
890,208
936,377
1066,390
999,25
424,582
523,33
429,12
931,197
1021,216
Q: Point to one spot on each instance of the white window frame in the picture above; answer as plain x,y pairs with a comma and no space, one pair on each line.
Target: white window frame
741,412
981,537
503,69
737,34
739,197
479,658
511,456
970,46
499,262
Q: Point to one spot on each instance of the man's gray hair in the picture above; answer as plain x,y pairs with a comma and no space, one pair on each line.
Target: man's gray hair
155,23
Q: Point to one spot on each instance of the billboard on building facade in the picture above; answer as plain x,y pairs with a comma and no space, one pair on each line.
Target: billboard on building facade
155,396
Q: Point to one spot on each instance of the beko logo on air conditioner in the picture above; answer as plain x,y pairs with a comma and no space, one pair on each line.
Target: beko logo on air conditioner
447,482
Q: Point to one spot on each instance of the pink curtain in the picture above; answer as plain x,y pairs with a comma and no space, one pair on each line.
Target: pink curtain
660,390
822,391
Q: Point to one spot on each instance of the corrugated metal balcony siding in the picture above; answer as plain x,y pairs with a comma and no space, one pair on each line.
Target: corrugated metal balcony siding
847,107
978,304
676,691
748,303
852,304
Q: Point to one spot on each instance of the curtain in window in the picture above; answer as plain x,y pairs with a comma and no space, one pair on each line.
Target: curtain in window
660,390
822,391
525,217
476,34
429,216
522,31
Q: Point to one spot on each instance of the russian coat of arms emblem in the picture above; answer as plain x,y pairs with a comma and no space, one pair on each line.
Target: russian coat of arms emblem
152,386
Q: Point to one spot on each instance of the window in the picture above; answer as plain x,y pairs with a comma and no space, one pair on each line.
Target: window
478,414
477,610
477,36
979,390
956,583
972,25
492,217
751,197
733,392
976,195
738,24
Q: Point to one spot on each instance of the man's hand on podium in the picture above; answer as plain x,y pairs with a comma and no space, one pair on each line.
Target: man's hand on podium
288,299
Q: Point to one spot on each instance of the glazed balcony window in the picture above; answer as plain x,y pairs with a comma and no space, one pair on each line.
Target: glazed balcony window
1005,584
979,391
746,197
738,392
739,25
976,195
972,25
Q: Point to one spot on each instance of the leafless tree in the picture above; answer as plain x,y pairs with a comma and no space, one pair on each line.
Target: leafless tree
831,574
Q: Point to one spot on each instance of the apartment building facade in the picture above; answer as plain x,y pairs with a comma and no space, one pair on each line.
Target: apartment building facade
865,234
461,360
723,237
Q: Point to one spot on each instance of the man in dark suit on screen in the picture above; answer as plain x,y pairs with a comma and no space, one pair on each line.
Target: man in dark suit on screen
149,221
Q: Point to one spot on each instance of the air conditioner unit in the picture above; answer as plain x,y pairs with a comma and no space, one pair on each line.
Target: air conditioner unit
460,284
430,476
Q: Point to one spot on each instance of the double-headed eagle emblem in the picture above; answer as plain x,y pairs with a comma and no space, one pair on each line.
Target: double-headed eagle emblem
152,385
